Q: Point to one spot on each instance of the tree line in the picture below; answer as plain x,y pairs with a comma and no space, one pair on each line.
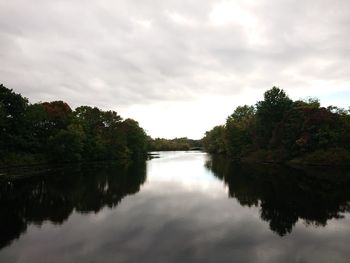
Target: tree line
177,144
278,129
53,132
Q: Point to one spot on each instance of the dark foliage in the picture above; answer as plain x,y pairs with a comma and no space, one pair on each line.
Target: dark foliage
280,130
177,144
53,132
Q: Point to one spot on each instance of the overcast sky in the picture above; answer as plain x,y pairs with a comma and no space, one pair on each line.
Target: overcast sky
178,67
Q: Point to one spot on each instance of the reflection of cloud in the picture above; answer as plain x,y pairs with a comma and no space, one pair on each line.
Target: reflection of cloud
173,221
101,216
184,170
178,227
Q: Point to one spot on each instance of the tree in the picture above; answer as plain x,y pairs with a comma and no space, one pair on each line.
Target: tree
270,112
59,114
238,130
214,140
38,128
136,138
12,117
67,144
112,135
91,121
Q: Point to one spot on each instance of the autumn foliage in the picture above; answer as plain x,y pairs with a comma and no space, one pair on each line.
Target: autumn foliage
53,132
278,129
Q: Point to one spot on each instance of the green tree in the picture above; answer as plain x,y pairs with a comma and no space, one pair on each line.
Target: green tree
12,119
238,130
67,145
51,131
270,112
214,140
112,136
38,128
91,121
136,138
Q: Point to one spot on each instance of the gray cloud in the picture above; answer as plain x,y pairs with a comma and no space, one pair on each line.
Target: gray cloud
121,53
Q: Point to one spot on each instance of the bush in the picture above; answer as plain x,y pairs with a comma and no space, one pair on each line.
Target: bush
331,156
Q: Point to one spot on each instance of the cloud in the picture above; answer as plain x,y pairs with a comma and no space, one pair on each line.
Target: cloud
133,54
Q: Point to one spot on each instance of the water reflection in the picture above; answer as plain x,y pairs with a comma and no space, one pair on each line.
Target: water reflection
181,214
285,195
56,194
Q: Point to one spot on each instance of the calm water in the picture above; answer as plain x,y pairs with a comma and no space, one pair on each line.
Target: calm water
181,207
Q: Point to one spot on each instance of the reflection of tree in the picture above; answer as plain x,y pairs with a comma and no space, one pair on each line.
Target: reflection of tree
285,195
55,196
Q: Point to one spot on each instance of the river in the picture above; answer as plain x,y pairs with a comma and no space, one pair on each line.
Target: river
180,207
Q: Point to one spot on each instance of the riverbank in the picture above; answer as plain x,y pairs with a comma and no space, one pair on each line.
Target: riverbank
329,157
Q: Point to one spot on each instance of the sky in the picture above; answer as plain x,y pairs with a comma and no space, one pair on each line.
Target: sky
177,67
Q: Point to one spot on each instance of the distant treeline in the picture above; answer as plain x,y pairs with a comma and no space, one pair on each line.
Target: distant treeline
53,132
278,129
177,144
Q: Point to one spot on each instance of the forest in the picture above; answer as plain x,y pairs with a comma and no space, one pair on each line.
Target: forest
280,130
50,132
177,144
276,129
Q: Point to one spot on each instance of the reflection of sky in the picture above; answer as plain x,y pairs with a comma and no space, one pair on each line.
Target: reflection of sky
181,215
185,169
